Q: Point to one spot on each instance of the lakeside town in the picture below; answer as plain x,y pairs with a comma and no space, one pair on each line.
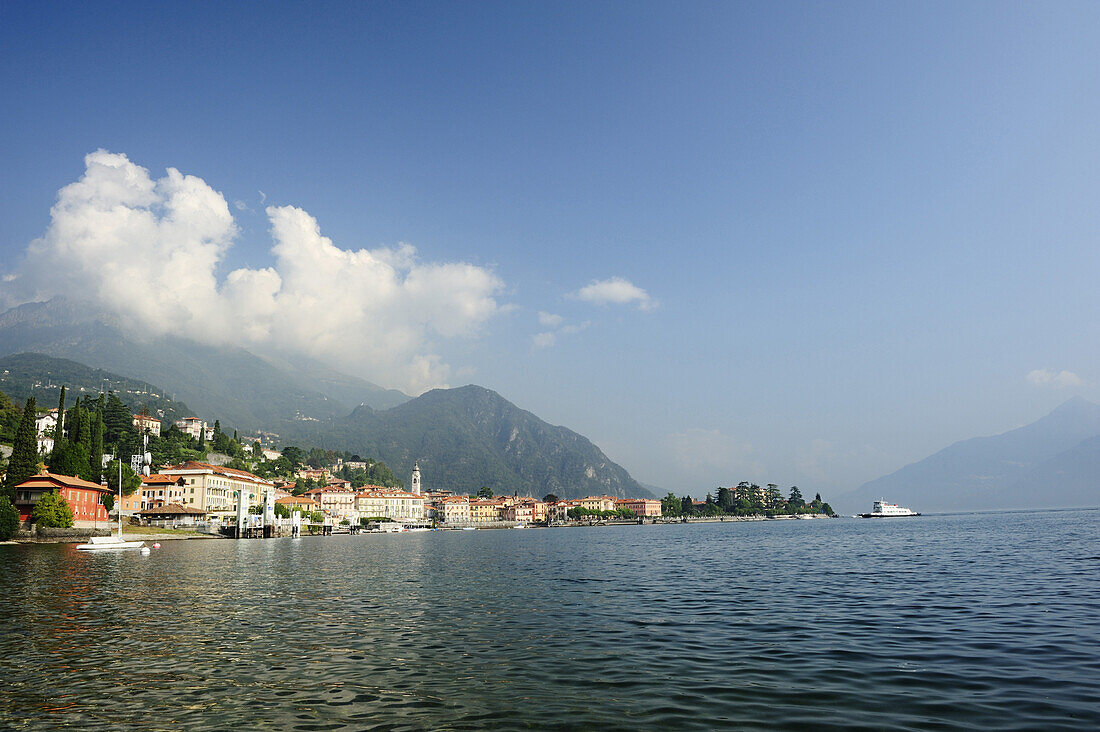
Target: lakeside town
60,476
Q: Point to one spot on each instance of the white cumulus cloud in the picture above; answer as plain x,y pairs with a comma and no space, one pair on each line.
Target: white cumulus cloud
615,291
1050,377
147,251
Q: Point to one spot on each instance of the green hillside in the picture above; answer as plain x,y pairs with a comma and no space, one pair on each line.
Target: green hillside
471,437
23,375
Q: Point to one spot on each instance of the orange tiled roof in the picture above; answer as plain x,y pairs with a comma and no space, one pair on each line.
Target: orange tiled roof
51,480
296,501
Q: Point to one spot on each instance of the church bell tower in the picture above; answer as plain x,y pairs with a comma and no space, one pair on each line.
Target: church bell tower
416,477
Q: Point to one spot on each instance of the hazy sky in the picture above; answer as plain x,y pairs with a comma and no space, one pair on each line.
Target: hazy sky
784,242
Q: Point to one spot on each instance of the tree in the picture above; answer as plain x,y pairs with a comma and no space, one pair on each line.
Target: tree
827,509
9,418
725,499
95,459
24,455
52,511
670,505
117,420
60,416
773,499
131,481
294,456
550,498
70,458
9,519
795,501
484,492
219,440
687,506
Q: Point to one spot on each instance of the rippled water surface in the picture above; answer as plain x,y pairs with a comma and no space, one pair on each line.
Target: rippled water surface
968,621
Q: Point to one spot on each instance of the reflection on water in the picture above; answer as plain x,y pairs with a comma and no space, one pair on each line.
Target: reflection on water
956,621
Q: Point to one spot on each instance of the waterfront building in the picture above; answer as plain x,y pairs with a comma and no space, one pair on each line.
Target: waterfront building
558,512
147,423
519,512
171,515
597,503
335,500
486,510
392,503
539,509
305,504
84,497
649,507
158,490
453,510
215,488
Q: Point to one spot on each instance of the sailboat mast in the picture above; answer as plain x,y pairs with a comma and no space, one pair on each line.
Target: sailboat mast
119,496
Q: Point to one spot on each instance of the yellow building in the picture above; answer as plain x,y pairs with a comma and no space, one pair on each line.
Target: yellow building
597,503
392,503
486,510
214,489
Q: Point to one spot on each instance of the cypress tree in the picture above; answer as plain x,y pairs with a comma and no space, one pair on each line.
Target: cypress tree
95,460
24,454
86,418
59,430
60,417
75,423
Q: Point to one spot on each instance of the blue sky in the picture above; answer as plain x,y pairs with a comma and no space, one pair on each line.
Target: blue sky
864,230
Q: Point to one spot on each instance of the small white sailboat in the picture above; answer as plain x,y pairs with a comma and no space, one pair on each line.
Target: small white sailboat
102,543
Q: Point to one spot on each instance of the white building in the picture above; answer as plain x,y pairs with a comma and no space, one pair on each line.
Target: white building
46,424
146,423
194,426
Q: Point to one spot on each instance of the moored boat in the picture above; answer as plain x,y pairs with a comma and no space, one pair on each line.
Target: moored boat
882,509
104,543
101,543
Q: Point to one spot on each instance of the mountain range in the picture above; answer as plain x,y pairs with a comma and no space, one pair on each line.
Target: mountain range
1052,462
464,438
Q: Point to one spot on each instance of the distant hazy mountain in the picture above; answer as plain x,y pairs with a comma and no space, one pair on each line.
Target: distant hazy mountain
1049,463
227,383
471,437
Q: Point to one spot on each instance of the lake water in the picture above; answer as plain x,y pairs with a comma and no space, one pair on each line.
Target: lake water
970,621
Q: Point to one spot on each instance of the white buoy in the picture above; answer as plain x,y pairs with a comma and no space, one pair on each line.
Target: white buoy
145,550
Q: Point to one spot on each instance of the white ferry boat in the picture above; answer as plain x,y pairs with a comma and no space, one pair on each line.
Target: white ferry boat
882,509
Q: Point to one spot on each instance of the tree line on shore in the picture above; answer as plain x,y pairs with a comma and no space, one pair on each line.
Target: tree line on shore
746,499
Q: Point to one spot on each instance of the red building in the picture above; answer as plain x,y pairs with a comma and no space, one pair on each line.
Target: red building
640,506
84,498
